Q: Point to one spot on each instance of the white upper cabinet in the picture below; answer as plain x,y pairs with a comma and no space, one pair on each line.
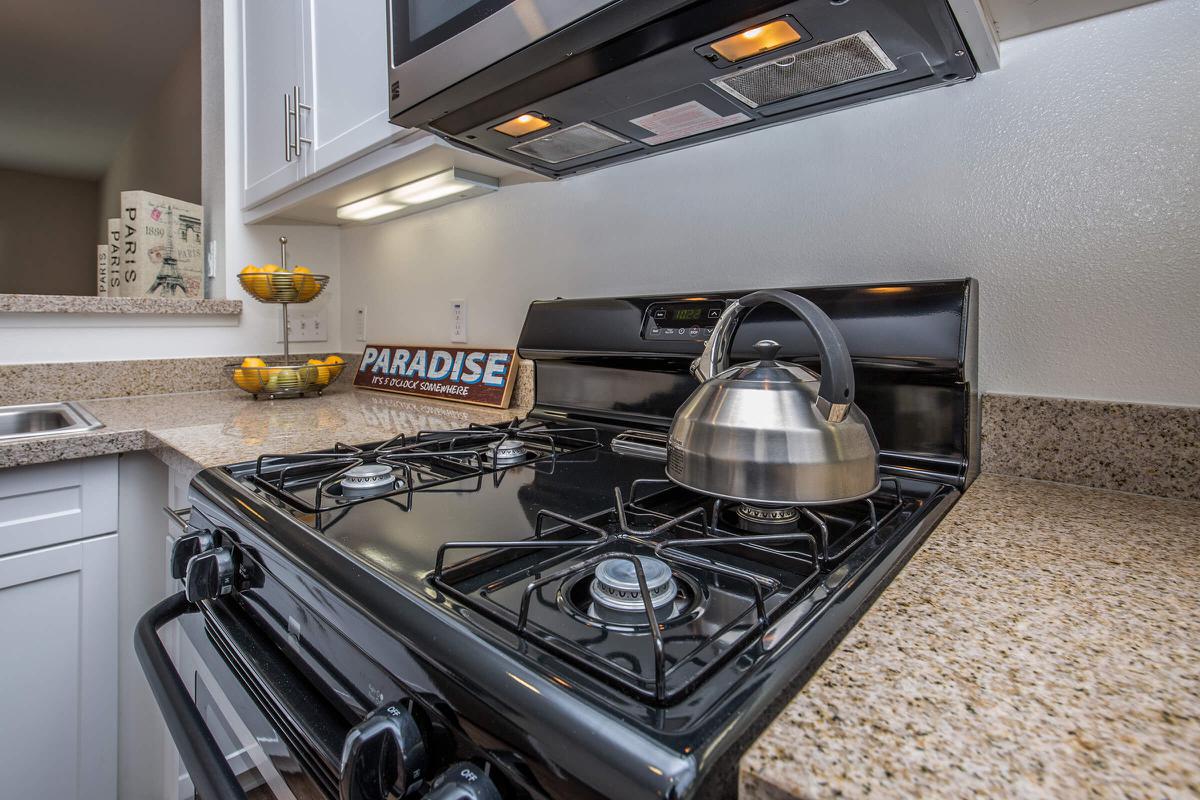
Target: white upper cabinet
274,72
314,89
350,78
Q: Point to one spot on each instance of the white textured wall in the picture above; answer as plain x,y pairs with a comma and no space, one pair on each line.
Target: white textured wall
1068,183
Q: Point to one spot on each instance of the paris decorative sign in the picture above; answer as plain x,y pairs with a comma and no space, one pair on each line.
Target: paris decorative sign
465,375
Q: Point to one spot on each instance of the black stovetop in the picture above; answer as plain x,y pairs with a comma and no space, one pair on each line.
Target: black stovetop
481,575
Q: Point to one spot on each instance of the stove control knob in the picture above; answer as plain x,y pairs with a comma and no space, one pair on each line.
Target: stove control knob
463,781
383,755
185,547
209,575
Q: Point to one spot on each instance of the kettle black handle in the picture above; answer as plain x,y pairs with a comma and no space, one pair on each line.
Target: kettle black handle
836,392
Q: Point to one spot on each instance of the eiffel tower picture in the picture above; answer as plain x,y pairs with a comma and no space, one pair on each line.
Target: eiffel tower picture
169,277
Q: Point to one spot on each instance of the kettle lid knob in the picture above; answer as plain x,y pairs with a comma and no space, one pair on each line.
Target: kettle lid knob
767,349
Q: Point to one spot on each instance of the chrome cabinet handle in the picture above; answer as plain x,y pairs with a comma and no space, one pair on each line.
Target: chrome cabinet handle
287,129
297,106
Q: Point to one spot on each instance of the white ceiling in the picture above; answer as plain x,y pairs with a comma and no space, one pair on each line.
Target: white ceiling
1019,17
75,74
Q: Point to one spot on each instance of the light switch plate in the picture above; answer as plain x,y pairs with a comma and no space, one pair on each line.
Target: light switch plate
458,320
308,325
360,324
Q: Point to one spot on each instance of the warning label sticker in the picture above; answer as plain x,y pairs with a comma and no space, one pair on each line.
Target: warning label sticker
683,120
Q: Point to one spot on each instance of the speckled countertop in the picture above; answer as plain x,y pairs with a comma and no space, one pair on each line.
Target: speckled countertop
88,304
203,429
1045,642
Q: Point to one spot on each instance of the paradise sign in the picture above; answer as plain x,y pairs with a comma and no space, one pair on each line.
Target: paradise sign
482,377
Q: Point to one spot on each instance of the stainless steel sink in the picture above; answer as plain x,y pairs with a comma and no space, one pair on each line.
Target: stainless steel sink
44,419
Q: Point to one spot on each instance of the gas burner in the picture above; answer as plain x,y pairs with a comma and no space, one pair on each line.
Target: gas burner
773,516
367,479
609,597
615,585
507,451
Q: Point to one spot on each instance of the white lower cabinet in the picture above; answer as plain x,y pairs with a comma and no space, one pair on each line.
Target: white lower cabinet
59,630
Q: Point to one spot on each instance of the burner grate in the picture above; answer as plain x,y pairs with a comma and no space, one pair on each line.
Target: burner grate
502,446
429,461
838,530
417,470
576,547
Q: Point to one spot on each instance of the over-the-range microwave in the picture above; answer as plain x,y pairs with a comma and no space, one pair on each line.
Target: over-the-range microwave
565,86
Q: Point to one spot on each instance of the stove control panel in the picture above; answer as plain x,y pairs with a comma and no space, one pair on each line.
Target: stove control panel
682,320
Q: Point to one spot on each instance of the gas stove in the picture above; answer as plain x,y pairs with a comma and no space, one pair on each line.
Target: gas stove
535,604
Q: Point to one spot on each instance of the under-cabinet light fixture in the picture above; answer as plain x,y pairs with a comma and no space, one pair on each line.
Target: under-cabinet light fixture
419,195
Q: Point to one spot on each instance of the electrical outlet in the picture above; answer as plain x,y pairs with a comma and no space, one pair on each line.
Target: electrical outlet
305,326
458,323
360,324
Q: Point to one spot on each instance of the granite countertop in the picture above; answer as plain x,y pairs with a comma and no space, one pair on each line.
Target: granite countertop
89,304
203,429
1045,642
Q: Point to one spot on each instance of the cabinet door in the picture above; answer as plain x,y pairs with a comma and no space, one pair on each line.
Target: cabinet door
349,79
54,503
274,62
58,671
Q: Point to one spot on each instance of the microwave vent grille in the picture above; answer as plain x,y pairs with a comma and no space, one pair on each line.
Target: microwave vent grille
840,61
576,141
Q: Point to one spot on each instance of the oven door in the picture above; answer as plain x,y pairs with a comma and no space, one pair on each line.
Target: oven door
236,735
434,44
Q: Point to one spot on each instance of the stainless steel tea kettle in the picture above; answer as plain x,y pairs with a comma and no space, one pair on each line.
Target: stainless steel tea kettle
774,433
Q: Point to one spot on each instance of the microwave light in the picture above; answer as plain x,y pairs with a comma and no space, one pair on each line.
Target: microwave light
522,125
756,40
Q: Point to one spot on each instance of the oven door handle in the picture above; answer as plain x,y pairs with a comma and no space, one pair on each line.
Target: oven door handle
206,764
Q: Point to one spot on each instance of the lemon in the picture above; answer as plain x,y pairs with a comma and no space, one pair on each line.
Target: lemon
322,371
306,285
255,282
267,286
247,379
253,361
335,364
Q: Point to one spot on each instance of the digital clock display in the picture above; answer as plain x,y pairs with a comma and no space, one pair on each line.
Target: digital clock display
690,320
680,314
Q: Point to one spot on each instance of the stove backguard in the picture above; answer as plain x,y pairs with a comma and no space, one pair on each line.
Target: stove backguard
914,347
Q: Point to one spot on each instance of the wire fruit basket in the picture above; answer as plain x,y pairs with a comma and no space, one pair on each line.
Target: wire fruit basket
288,379
283,287
278,381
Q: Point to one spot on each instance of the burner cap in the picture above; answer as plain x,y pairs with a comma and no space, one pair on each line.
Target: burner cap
768,515
368,479
616,585
509,450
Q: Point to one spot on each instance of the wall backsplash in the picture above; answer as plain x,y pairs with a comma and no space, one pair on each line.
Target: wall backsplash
1066,187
